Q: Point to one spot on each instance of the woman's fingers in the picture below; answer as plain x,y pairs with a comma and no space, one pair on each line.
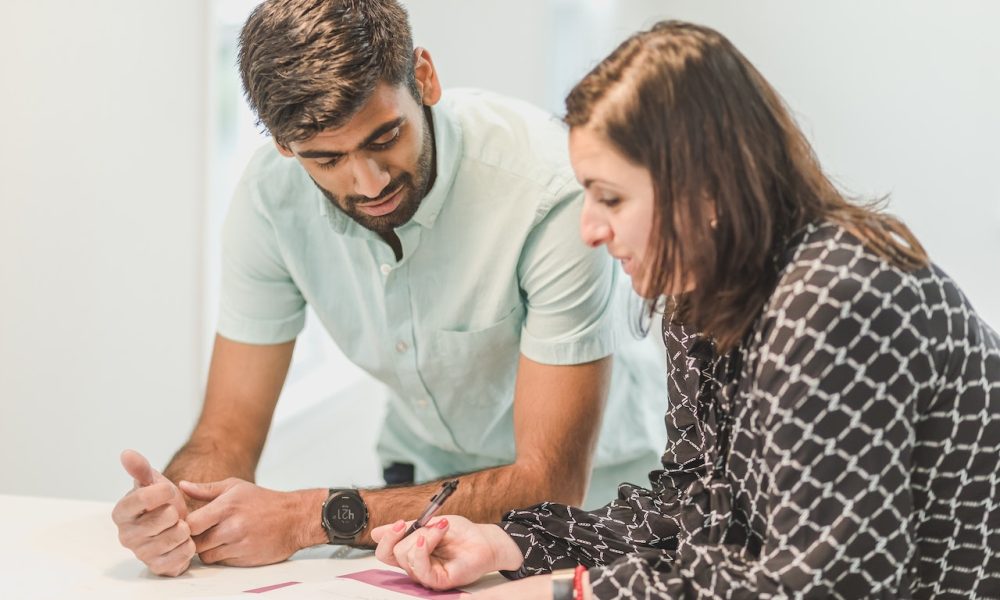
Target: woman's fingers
432,573
388,536
423,555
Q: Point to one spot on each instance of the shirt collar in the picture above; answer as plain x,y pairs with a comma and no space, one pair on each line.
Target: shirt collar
337,219
448,155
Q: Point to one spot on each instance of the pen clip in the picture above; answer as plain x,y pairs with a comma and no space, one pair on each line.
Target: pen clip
435,504
446,490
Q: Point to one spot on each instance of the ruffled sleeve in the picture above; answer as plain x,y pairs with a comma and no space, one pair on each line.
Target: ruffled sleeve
686,499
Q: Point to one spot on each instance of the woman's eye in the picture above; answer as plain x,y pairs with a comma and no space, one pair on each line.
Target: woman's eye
610,202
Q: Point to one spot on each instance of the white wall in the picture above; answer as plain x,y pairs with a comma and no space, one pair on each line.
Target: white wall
101,191
505,47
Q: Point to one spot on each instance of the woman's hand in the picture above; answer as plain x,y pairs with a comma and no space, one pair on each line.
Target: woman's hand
448,552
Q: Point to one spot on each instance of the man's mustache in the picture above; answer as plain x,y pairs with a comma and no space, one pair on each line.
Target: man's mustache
393,187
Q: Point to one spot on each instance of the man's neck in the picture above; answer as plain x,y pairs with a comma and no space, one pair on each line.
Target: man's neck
392,239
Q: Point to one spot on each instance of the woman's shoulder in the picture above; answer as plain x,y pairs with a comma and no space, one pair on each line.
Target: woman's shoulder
832,279
833,291
826,263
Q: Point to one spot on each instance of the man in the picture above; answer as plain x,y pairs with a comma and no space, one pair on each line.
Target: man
435,235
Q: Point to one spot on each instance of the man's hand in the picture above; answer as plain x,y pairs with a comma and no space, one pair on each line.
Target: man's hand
150,519
448,552
245,525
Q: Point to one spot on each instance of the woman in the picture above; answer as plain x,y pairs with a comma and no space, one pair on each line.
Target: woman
834,417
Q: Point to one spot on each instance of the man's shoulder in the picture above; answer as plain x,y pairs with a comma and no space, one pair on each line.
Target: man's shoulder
270,179
511,138
484,104
268,166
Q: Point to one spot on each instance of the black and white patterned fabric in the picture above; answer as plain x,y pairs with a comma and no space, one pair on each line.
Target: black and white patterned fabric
848,448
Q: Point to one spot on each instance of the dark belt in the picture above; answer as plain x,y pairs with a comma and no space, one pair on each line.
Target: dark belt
398,474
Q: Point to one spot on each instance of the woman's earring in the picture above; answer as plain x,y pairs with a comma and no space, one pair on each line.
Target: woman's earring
713,223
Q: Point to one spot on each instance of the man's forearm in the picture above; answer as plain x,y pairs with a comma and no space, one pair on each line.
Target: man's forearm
208,460
244,381
483,497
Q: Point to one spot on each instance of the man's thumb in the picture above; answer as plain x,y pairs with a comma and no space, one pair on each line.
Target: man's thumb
138,467
203,491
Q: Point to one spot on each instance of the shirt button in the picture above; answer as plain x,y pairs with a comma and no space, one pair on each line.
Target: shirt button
385,269
422,403
401,346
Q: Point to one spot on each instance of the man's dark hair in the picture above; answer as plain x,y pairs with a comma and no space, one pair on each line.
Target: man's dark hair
309,65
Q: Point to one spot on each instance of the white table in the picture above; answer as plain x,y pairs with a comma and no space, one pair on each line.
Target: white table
68,549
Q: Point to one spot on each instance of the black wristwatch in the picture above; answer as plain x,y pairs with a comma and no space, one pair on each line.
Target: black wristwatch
344,516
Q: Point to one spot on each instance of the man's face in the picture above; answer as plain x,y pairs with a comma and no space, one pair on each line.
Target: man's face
377,167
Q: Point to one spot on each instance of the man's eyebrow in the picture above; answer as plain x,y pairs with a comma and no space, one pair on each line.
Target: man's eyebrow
382,130
379,132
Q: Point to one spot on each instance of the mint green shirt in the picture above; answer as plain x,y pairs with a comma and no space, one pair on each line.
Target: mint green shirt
493,267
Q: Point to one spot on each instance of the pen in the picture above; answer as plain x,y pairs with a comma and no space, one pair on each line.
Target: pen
446,490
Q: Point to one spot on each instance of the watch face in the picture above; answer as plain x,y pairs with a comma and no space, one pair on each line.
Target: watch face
346,514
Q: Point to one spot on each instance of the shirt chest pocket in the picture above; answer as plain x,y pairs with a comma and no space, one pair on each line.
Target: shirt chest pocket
469,371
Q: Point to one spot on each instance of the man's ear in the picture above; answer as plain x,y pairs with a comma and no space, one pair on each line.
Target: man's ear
426,77
283,149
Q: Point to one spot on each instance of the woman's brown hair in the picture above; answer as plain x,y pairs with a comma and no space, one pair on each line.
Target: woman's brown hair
734,178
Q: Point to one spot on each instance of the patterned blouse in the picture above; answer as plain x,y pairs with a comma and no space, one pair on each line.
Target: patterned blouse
848,448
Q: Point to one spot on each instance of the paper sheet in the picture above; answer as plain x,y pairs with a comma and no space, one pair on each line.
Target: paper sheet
271,588
398,582
371,584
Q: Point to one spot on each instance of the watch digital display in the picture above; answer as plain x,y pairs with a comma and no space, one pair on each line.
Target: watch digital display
346,514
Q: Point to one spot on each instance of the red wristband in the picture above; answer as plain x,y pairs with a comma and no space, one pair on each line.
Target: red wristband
578,582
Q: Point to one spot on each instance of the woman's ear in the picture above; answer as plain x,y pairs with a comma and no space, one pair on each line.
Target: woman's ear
426,77
713,211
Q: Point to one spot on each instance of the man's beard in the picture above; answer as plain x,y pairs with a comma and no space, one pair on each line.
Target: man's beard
412,187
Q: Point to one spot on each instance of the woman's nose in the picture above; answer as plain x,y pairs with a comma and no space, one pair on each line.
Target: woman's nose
593,230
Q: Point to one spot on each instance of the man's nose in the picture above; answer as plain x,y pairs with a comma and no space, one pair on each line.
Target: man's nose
369,177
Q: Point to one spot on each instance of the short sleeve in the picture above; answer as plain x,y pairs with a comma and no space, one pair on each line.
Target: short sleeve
259,301
572,292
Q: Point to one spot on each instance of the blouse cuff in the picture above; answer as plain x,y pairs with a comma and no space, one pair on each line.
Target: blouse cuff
522,537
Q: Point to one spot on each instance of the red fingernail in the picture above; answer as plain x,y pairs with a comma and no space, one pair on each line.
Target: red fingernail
399,526
442,523
420,542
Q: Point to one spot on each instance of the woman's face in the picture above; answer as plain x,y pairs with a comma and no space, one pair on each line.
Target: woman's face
618,203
